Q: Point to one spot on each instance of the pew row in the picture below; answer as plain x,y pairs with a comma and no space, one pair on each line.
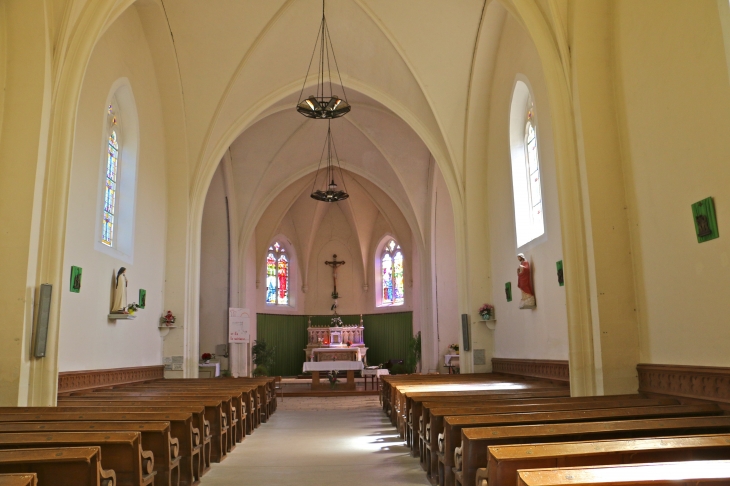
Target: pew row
475,441
503,462
69,466
121,451
656,474
181,428
155,438
18,479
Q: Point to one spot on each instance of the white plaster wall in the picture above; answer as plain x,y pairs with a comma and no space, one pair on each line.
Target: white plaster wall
541,333
672,76
87,339
214,266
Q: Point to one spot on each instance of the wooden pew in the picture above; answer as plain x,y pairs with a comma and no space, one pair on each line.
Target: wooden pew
155,438
220,440
69,466
233,405
453,426
199,423
657,474
423,426
504,461
407,398
181,428
121,451
479,439
19,479
436,416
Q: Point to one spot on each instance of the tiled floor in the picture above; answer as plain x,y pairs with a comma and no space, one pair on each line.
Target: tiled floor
321,441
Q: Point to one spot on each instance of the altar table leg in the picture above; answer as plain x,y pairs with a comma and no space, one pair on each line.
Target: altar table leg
351,378
315,378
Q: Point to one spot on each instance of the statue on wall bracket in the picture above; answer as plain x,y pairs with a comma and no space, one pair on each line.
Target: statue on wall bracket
119,302
524,282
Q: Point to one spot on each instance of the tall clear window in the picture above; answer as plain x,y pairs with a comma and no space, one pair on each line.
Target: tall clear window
526,179
277,275
111,182
391,267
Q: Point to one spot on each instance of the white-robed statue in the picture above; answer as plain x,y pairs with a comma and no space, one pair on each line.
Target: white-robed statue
119,304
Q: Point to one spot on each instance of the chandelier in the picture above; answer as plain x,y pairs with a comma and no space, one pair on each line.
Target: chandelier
329,191
324,104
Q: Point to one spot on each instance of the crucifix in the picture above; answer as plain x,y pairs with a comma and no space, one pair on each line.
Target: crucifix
334,264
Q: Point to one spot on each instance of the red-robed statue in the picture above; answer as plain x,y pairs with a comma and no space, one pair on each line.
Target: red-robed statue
524,282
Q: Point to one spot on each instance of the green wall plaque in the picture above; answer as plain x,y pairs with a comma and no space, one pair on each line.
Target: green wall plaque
75,286
703,213
142,298
508,291
561,279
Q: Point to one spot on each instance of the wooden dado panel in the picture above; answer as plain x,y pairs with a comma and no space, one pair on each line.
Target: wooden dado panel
696,382
536,368
70,381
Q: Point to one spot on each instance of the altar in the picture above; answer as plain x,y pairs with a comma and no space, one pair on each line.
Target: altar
338,343
315,367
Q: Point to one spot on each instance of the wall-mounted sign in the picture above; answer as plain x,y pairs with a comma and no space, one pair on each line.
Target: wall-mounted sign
705,220
561,279
508,291
75,280
239,325
142,298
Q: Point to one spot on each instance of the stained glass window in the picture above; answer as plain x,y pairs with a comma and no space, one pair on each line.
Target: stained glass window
533,166
391,265
111,180
277,275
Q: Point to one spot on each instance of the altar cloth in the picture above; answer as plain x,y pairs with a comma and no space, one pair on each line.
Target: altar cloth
332,365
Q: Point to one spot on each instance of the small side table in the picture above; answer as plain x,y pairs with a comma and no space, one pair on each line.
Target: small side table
451,361
374,375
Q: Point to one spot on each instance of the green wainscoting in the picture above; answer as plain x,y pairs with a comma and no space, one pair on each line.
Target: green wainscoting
386,336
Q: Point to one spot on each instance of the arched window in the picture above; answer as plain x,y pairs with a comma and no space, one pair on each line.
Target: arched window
526,181
112,177
391,267
277,275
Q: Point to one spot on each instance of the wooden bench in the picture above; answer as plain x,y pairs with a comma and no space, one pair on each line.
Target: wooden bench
479,439
199,424
220,439
435,428
181,428
658,474
155,438
503,462
70,466
426,429
453,426
18,479
121,451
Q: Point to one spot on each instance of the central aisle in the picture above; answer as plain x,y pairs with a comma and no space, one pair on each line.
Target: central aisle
321,441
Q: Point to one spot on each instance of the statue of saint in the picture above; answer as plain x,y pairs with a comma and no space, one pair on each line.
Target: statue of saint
524,282
119,304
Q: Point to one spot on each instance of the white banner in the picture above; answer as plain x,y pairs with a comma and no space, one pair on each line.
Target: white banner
239,324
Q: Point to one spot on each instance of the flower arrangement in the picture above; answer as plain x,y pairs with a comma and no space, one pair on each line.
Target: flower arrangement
168,319
486,311
332,376
336,322
132,308
348,343
206,356
454,347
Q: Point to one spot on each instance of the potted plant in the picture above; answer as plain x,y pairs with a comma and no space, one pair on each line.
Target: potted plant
332,376
487,312
413,354
454,348
168,319
263,357
132,308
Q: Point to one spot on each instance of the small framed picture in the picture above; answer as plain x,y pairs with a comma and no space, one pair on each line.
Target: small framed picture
75,286
559,266
705,220
142,298
508,291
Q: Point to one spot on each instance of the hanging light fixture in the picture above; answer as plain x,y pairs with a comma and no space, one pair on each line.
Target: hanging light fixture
324,104
329,191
